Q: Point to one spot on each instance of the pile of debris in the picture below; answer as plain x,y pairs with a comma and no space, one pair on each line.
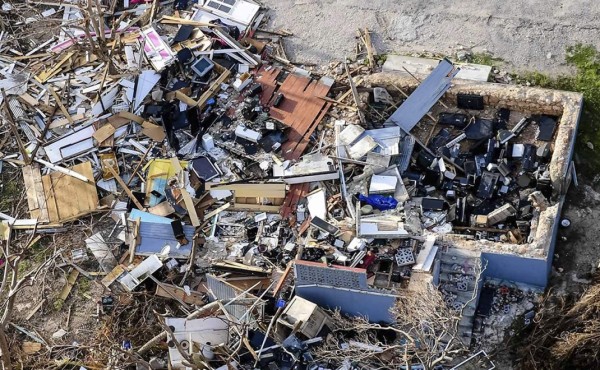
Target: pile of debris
250,195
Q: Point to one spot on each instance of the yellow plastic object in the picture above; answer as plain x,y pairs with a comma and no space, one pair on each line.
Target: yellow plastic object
159,171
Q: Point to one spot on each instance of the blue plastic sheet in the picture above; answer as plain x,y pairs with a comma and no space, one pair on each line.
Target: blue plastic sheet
380,202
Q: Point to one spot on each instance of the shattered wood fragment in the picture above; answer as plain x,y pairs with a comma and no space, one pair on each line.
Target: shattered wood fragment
125,187
170,291
71,279
154,132
215,212
189,205
30,348
104,133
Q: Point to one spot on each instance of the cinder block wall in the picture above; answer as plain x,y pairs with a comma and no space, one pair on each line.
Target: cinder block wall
528,263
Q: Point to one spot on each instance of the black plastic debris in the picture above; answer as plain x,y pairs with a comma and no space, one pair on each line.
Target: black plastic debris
204,169
502,117
546,125
469,101
324,226
487,185
480,129
432,204
529,158
178,233
457,120
439,140
272,141
254,90
184,33
524,180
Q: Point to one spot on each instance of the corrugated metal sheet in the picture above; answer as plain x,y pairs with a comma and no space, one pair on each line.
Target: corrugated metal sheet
222,290
155,236
307,274
406,149
370,304
424,97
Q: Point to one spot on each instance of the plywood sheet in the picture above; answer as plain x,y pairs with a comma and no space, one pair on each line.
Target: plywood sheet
58,197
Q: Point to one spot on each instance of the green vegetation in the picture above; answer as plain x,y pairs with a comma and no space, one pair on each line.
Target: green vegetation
58,304
586,60
23,267
483,58
9,192
83,286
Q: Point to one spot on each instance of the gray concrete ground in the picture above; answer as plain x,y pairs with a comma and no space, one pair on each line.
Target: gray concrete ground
527,34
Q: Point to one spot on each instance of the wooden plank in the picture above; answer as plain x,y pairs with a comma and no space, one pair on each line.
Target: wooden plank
361,116
72,197
65,121
268,81
35,309
227,264
283,278
246,282
48,74
255,207
50,199
113,275
30,348
301,146
179,95
63,109
126,188
217,211
71,279
170,291
30,100
213,88
104,133
162,209
39,193
131,116
32,199
301,110
64,195
154,132
369,46
189,205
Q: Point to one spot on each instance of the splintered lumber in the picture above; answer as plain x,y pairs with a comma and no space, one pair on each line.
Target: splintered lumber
239,267
71,279
30,348
283,278
171,291
63,109
361,116
217,211
212,90
48,74
189,205
125,187
36,198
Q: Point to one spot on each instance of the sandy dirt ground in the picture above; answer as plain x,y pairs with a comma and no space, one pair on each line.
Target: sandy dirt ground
528,35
